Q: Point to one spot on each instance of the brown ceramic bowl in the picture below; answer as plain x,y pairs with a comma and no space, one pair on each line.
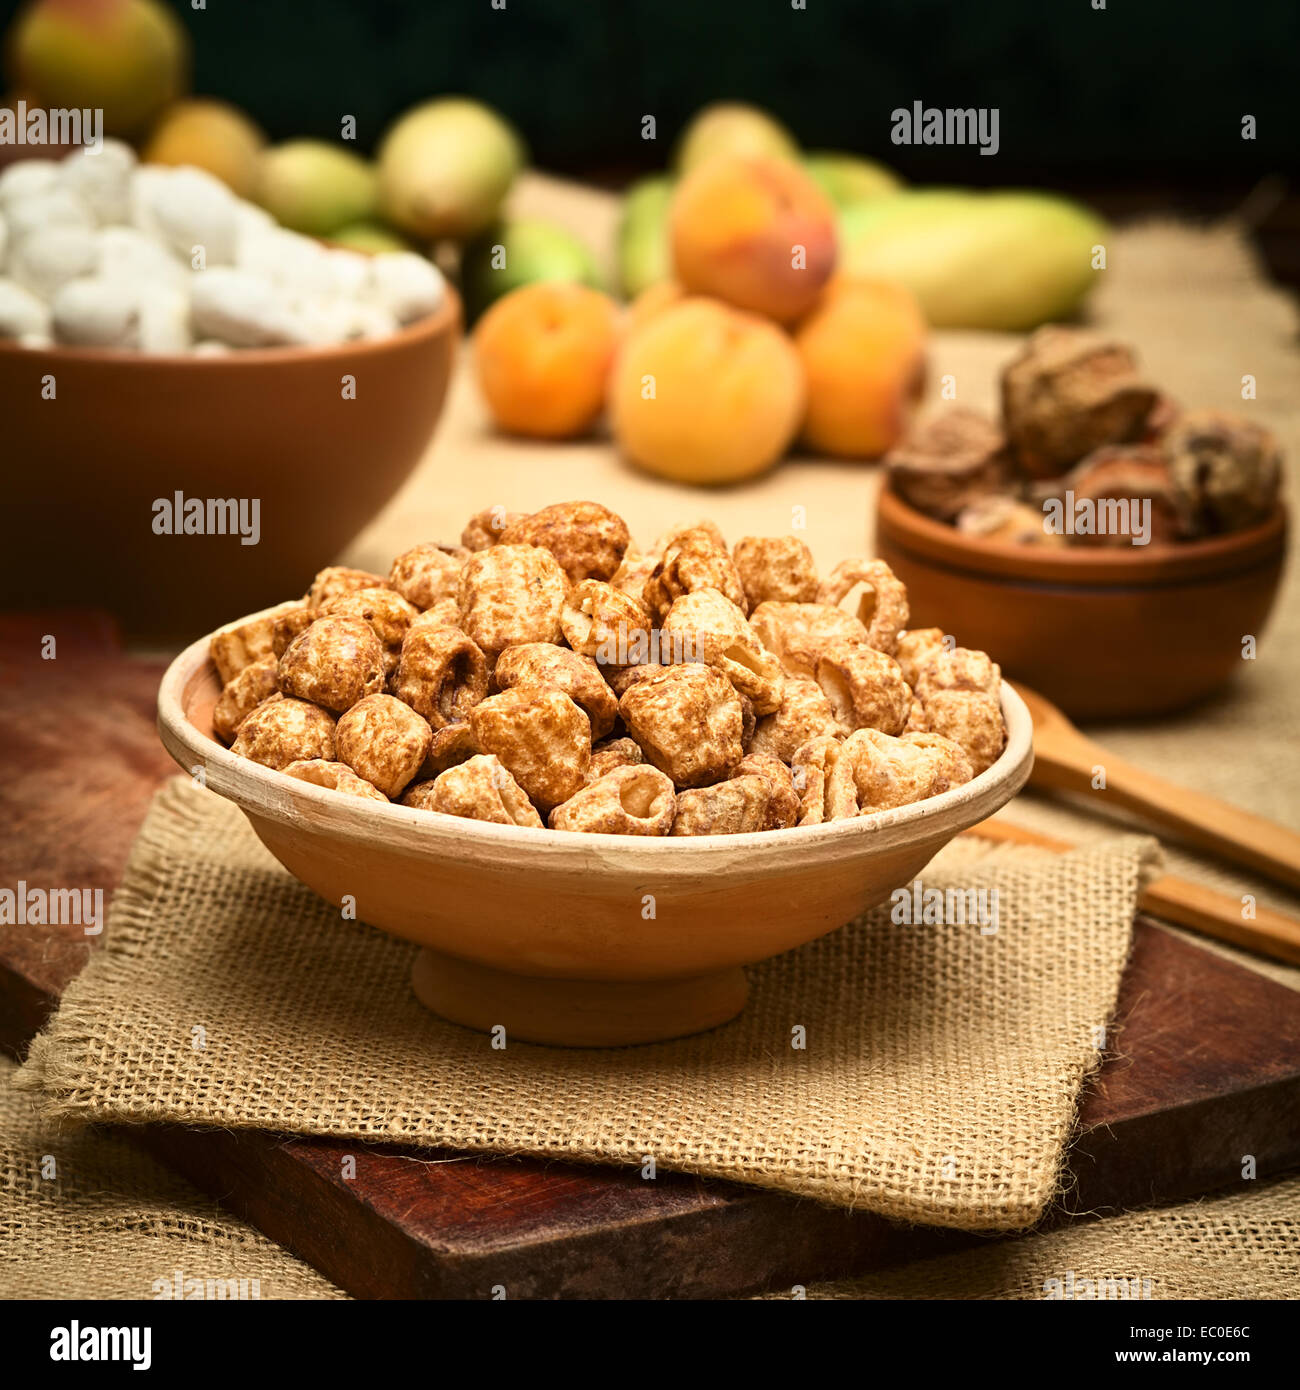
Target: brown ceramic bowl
1102,633
543,930
85,469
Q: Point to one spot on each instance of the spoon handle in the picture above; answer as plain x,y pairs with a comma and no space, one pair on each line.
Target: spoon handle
1202,820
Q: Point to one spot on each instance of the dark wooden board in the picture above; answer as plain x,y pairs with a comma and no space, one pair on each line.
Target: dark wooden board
1210,1072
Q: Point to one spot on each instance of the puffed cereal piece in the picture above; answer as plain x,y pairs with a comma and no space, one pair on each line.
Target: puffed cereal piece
689,722
442,673
633,575
805,713
337,777
603,622
711,529
882,609
611,754
384,741
388,613
241,644
338,579
242,694
798,633
693,560
451,745
426,573
706,626
783,800
875,772
540,666
776,569
541,736
281,731
334,663
636,800
588,540
486,528
735,807
511,594
959,669
865,687
917,647
811,769
480,789
444,613
917,723
621,679
971,719
296,618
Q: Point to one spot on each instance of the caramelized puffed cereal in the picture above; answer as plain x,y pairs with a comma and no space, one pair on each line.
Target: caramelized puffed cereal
338,777
426,573
706,626
971,719
282,731
865,687
811,769
384,741
295,618
916,649
542,737
959,669
611,754
734,807
783,802
511,594
334,663
882,609
486,528
688,721
694,559
539,666
241,644
633,575
587,539
629,800
338,579
798,633
242,694
776,569
442,674
387,612
450,745
603,622
804,713
480,789
622,678
875,772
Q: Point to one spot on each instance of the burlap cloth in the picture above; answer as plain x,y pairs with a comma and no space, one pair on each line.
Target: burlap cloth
938,1085
85,1214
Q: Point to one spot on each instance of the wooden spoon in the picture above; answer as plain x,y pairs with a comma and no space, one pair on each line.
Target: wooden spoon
1064,758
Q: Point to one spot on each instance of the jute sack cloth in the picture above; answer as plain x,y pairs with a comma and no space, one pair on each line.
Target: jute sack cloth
85,1214
1245,1244
939,1081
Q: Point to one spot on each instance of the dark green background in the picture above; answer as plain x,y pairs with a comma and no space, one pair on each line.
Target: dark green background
1143,90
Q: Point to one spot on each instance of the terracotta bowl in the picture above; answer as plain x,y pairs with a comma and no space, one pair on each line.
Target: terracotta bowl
85,468
1102,633
543,931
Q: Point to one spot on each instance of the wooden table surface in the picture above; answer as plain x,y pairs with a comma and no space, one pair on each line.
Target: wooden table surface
1209,1071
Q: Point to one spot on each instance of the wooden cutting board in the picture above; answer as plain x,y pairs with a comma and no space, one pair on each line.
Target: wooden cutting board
1210,1071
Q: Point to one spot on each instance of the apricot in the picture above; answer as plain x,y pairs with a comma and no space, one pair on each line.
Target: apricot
543,354
863,355
652,301
757,232
704,393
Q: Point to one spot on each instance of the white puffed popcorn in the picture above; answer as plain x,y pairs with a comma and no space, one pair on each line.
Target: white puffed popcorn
4,239
164,319
350,272
22,315
188,209
290,261
372,321
101,178
28,178
243,310
210,347
55,208
405,284
127,253
43,261
95,312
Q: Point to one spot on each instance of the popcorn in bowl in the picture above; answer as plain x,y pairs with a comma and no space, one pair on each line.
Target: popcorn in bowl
97,250
523,683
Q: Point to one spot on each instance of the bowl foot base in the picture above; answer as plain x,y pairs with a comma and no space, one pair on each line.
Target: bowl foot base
576,1013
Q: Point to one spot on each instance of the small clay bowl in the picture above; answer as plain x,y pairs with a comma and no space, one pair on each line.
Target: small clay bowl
123,431
1104,634
546,932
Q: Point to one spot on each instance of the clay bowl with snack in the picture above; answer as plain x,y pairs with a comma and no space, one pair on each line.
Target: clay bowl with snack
1115,552
580,897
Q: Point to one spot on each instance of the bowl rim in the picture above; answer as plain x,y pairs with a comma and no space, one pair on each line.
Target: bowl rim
265,792
901,524
448,316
